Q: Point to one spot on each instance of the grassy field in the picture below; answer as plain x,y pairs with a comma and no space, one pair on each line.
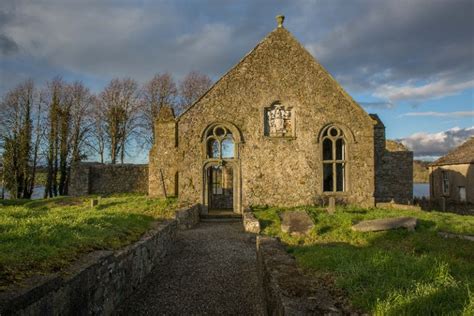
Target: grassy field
43,236
388,273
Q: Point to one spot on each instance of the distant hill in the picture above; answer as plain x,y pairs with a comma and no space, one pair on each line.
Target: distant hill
420,171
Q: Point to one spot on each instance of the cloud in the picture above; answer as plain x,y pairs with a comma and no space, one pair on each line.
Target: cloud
437,144
391,44
377,105
441,114
7,45
368,45
432,90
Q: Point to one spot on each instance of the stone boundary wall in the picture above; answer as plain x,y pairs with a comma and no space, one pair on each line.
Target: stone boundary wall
188,217
395,177
406,207
98,282
97,178
287,291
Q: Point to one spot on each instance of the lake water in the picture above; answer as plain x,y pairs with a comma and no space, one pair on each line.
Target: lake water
37,192
421,190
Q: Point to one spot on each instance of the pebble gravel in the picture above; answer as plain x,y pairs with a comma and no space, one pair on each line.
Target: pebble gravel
211,270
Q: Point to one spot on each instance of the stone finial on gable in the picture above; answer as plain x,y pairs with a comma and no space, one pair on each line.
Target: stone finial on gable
280,19
166,114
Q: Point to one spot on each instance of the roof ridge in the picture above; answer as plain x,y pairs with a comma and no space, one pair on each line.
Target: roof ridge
230,70
456,155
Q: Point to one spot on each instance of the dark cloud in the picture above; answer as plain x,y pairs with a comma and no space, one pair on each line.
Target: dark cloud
437,144
382,47
401,43
7,45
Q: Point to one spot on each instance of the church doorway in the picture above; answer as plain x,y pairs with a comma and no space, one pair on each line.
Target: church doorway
220,184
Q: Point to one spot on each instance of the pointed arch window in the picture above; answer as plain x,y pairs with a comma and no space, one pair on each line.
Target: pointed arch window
220,143
334,160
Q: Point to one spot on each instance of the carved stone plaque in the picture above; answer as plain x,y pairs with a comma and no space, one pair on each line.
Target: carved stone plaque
278,121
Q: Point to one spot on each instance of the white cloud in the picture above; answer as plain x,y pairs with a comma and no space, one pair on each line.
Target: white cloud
377,105
441,114
433,90
437,144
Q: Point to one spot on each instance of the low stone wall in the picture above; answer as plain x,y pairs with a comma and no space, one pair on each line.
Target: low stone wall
188,217
251,223
99,281
397,206
287,291
96,178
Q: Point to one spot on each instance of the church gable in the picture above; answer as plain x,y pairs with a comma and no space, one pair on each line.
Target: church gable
276,129
278,66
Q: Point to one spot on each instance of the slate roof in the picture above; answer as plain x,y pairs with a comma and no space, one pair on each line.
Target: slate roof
463,154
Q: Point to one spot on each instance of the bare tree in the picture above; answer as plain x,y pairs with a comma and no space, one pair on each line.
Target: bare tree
81,119
17,110
158,92
120,103
54,98
99,136
192,87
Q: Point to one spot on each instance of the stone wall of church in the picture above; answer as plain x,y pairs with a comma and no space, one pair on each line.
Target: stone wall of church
163,160
96,178
274,170
395,175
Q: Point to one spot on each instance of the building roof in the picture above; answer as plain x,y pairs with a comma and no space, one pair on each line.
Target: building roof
463,154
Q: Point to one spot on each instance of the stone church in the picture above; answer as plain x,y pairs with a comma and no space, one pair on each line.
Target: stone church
276,129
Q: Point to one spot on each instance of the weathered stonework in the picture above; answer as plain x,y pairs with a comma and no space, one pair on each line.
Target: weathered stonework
94,285
96,178
395,174
251,223
278,157
98,282
287,291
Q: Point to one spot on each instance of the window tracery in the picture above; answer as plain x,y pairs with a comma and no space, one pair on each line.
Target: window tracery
220,143
334,160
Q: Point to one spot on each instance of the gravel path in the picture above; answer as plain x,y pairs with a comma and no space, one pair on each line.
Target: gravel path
211,270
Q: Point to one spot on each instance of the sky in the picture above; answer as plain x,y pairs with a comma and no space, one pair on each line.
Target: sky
409,61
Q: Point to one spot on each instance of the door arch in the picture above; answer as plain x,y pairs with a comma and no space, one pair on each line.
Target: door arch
221,186
221,180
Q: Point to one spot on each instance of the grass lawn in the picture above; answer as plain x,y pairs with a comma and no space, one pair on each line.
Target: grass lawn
388,273
42,236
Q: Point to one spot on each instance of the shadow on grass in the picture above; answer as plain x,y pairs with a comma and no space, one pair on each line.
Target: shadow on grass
104,206
52,202
264,223
392,281
52,242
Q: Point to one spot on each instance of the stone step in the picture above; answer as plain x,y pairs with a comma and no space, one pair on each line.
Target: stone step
221,216
221,220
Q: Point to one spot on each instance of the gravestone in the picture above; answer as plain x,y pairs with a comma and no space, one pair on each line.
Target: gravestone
332,205
296,222
94,202
386,224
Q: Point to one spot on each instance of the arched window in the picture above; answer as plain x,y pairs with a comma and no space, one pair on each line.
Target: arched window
334,160
220,143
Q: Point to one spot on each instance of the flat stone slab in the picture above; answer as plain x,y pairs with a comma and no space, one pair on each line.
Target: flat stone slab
296,222
386,224
452,235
